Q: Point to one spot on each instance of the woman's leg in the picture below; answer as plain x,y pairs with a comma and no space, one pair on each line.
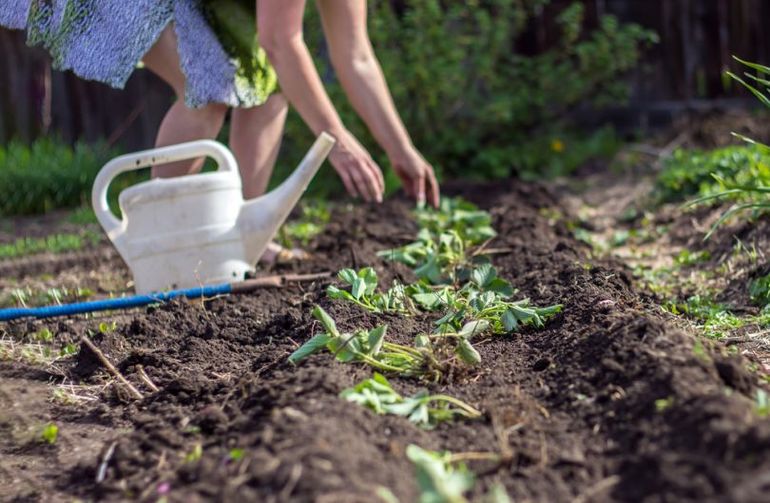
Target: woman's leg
181,124
255,138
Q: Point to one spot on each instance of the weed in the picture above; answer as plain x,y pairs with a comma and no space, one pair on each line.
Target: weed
662,404
716,319
107,327
42,335
759,290
762,402
195,454
422,409
25,297
236,454
50,433
687,257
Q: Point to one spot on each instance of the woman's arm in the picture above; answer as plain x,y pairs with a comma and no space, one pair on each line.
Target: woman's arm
360,74
280,34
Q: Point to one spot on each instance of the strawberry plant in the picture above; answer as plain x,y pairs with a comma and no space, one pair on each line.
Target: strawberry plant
363,292
473,226
365,346
422,409
436,260
438,478
484,297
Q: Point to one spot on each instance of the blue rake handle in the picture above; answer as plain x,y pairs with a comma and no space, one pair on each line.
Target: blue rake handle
155,298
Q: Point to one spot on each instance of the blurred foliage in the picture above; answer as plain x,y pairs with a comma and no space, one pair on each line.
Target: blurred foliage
49,174
692,172
472,104
311,220
55,243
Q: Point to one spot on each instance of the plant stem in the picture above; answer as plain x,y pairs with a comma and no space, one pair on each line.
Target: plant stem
472,412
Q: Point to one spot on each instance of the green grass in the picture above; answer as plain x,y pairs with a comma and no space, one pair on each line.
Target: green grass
715,320
49,174
55,243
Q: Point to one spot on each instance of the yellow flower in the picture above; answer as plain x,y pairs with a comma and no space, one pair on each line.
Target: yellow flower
557,145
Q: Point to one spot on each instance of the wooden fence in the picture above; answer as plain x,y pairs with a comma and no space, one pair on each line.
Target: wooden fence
684,71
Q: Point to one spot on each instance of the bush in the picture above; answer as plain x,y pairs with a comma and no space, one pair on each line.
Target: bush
47,175
471,103
692,172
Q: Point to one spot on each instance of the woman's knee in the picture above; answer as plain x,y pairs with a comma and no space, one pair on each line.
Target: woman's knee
213,113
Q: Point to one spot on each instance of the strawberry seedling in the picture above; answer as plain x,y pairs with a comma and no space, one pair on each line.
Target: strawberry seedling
362,291
422,409
474,226
438,478
366,346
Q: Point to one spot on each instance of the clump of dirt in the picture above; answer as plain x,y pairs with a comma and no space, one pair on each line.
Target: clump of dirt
610,402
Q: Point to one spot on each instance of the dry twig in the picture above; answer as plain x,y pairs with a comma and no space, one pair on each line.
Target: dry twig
111,368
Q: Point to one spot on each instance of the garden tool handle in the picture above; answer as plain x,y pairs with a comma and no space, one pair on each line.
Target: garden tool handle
138,160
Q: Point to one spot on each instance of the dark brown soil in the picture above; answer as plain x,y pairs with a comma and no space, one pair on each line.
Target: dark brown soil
610,402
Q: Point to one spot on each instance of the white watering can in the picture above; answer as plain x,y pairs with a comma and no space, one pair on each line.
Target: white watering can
196,229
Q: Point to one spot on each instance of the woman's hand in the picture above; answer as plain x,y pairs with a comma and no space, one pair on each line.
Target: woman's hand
417,176
360,174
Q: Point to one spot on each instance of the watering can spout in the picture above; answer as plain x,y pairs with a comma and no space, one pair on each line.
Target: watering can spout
260,218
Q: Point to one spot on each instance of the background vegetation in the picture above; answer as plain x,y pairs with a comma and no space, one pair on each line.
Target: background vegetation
474,105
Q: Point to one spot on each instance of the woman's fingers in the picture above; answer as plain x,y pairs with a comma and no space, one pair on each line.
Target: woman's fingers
366,182
347,182
433,190
380,177
419,185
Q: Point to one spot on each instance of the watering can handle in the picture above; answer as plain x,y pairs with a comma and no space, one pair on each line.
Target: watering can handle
130,162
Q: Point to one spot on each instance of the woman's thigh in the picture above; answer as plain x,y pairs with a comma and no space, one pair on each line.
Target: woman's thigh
163,60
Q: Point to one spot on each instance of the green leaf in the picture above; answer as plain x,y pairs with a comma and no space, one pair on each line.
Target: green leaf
50,433
347,275
422,341
473,328
369,275
500,287
347,348
483,275
428,301
335,293
438,480
312,346
376,338
326,321
359,287
467,352
510,323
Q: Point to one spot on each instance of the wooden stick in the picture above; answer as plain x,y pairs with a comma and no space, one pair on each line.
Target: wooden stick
275,281
111,368
146,379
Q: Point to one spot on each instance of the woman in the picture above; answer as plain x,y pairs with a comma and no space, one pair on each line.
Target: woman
207,51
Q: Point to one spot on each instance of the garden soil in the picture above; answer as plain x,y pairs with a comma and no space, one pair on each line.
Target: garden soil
610,402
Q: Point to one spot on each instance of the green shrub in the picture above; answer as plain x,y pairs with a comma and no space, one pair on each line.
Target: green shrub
473,105
48,174
692,172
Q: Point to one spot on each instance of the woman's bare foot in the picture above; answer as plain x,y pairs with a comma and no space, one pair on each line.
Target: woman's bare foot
277,254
